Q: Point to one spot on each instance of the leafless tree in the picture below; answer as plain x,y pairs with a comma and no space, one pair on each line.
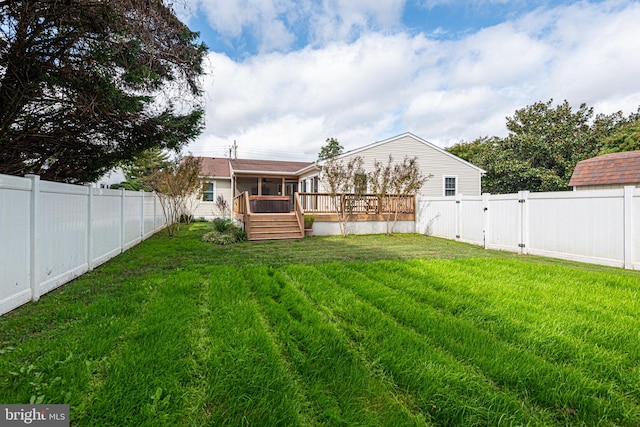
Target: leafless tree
341,179
177,186
391,181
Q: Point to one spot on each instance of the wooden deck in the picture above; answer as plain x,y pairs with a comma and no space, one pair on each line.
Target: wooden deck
268,225
290,225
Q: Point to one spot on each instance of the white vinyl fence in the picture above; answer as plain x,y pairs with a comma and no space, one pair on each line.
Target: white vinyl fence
51,233
598,227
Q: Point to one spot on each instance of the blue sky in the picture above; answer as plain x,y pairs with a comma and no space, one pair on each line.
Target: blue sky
285,75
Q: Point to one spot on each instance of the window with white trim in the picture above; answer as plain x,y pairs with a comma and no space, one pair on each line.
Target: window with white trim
209,192
450,185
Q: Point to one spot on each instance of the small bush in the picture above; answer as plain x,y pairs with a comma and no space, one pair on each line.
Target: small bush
225,232
309,220
222,225
218,238
240,234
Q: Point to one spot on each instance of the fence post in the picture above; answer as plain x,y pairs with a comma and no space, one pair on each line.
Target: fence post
628,227
141,215
485,219
122,218
458,223
90,227
523,198
34,241
155,212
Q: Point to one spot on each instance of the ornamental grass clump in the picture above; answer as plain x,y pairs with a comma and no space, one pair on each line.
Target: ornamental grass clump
225,232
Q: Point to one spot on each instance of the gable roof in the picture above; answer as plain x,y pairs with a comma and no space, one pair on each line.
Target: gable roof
615,168
224,167
416,138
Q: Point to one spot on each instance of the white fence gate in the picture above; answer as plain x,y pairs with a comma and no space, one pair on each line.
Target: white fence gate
598,227
51,233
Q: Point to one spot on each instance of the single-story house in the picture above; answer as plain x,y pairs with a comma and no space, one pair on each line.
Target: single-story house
608,171
231,177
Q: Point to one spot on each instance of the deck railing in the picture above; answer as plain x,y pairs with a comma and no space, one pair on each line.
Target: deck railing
358,203
297,208
241,204
324,203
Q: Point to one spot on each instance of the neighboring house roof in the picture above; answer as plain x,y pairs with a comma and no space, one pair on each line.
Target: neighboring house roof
267,166
608,169
417,138
215,167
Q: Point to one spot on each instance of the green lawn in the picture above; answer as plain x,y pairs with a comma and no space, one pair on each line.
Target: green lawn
367,330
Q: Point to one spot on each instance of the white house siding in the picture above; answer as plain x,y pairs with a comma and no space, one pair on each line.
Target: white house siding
431,159
209,210
308,177
604,187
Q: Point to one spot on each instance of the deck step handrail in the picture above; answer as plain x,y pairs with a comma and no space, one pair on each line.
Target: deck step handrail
297,207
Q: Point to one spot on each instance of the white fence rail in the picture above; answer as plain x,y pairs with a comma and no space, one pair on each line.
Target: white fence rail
598,227
51,233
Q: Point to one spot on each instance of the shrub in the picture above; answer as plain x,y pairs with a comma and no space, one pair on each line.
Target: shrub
240,234
219,238
225,232
223,224
309,220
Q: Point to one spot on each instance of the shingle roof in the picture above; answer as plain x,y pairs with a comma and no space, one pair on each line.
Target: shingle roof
212,166
268,165
616,168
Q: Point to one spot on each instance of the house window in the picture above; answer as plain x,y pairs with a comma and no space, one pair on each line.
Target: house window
314,184
360,183
450,185
209,192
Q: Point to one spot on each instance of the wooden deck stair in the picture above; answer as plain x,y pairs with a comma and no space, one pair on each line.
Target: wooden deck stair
273,226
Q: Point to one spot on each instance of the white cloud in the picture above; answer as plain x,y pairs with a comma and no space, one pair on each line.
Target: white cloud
284,105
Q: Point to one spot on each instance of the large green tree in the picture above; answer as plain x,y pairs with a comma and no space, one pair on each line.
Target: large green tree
543,146
332,149
86,84
143,166
623,138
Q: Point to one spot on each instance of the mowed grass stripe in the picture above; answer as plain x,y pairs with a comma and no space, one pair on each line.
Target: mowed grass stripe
145,381
86,326
447,391
340,388
574,396
401,328
507,310
247,382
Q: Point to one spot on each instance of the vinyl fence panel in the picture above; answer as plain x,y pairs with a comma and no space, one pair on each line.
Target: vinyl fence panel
149,215
504,216
132,213
600,226
53,232
15,226
471,224
634,230
106,225
580,224
436,217
62,227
